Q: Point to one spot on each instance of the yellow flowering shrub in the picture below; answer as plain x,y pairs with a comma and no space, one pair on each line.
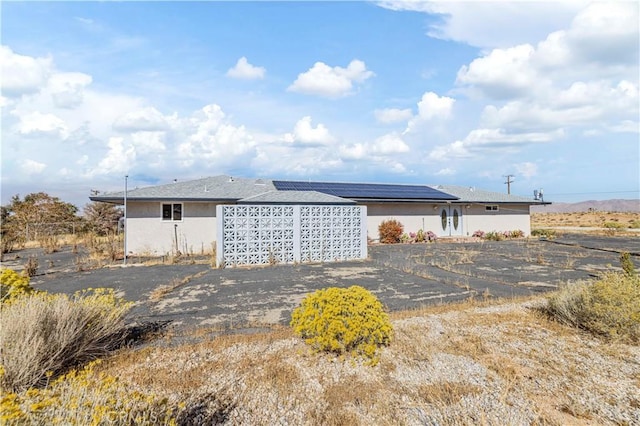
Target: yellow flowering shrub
54,332
85,397
13,285
343,320
609,307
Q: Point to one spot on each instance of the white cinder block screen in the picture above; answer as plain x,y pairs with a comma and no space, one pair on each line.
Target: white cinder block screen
263,234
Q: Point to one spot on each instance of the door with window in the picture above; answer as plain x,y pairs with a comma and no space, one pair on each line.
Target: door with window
451,220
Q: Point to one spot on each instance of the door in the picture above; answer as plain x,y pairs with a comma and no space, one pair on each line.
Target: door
451,220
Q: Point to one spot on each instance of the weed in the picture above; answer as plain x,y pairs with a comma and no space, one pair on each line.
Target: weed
627,264
609,307
31,267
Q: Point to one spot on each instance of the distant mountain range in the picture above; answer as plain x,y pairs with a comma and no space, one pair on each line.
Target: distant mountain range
585,206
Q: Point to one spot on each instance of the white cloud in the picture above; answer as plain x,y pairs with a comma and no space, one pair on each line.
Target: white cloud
502,74
431,107
120,158
331,82
487,141
147,119
37,123
22,74
305,133
491,24
527,169
392,115
381,149
389,144
67,89
446,172
32,167
212,140
244,70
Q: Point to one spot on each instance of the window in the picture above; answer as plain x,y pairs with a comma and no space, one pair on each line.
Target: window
491,208
172,211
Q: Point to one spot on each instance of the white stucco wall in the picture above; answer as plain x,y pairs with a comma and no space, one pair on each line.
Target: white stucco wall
148,234
508,218
427,217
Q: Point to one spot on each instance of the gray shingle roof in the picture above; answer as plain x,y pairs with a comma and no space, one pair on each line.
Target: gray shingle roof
212,188
474,195
295,197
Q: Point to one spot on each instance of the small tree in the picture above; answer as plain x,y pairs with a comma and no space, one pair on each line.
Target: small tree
102,218
39,214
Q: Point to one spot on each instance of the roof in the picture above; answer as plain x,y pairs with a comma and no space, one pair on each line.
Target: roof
294,197
368,191
217,188
225,188
471,194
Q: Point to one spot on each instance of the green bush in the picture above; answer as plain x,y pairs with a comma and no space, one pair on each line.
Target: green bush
544,233
13,285
627,263
343,320
390,231
44,335
609,307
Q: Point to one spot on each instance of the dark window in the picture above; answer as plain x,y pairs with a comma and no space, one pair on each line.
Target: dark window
443,218
177,212
491,208
172,212
166,212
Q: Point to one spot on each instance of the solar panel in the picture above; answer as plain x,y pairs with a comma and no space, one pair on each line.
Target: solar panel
366,190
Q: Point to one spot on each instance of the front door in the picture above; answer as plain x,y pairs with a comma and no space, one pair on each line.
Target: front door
451,220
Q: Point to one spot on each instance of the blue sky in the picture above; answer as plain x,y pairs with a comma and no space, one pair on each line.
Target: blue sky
395,92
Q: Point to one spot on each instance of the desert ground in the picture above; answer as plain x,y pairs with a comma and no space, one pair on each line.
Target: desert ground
471,344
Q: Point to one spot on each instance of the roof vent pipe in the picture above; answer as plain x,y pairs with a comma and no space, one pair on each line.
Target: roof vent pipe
231,179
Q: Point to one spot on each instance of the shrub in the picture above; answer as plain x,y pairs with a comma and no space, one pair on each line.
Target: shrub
343,320
613,225
13,285
494,236
478,234
430,236
627,263
45,333
516,233
544,233
31,267
85,397
609,307
390,231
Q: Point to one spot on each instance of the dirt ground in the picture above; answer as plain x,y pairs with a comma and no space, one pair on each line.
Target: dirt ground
594,219
403,276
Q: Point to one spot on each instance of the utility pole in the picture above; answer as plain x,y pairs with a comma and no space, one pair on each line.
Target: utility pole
509,182
124,259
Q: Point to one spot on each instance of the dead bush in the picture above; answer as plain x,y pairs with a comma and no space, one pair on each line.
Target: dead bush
390,231
43,335
609,307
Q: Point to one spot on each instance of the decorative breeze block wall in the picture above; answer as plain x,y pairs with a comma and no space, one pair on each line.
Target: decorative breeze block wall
264,234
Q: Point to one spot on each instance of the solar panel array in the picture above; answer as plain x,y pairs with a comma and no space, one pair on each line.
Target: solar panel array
366,190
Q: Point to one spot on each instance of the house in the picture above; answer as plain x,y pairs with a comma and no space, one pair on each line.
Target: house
190,216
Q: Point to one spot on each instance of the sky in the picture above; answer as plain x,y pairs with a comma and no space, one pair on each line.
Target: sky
391,92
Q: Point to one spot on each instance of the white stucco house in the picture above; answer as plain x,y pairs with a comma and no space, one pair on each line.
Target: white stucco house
188,216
